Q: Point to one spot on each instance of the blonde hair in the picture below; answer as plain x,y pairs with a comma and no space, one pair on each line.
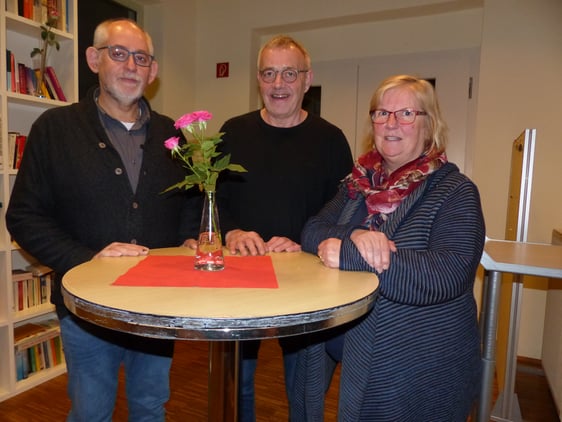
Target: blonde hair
424,93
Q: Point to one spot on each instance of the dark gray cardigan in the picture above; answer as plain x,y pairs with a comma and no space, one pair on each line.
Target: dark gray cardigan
416,356
72,196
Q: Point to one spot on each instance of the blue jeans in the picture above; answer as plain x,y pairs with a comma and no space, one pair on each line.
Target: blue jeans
93,358
248,364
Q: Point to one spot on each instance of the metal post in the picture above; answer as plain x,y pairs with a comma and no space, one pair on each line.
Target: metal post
223,381
489,324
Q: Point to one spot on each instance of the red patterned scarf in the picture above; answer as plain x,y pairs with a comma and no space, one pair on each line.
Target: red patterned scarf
384,193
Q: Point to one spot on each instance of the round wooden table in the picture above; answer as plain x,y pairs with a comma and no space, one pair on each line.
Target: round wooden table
309,297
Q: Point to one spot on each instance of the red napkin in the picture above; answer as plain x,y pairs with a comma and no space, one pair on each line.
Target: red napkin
178,271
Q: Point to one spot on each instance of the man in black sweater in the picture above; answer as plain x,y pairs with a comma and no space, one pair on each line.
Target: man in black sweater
294,162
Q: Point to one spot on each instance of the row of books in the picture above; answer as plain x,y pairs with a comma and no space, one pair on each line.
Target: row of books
16,145
40,10
37,346
31,288
21,78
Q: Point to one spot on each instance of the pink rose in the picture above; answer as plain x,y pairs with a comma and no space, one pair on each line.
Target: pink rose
190,118
172,143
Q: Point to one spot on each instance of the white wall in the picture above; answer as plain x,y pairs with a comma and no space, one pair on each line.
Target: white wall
519,86
174,28
232,31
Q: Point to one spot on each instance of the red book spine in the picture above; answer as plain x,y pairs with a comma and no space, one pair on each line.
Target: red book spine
22,75
28,9
20,145
20,295
50,72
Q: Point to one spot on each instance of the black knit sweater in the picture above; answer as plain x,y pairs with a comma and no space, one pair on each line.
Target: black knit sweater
292,173
72,196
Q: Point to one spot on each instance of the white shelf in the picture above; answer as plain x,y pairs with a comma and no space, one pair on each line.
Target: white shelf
17,112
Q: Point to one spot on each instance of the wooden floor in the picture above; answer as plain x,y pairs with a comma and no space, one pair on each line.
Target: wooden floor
48,402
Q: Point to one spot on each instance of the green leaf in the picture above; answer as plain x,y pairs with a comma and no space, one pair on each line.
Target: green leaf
181,185
222,163
212,180
237,168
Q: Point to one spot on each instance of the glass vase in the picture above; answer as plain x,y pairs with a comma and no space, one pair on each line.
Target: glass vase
40,65
209,255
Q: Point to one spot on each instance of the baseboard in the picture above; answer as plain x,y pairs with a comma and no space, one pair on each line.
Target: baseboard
530,365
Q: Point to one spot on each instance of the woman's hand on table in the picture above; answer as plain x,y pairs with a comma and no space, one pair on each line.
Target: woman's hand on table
374,247
329,252
122,249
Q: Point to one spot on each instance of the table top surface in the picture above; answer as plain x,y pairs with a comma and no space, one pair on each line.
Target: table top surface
538,259
310,297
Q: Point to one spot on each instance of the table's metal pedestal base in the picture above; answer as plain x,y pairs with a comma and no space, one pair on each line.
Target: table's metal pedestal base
506,415
506,408
488,322
223,381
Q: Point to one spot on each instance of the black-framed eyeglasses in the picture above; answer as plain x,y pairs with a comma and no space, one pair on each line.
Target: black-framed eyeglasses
289,74
406,116
121,54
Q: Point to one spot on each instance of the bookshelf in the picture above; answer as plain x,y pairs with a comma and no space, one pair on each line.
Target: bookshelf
20,35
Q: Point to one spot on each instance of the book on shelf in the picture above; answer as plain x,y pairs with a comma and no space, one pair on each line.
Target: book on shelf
21,280
22,77
31,81
18,151
21,274
32,333
43,276
12,136
8,70
31,288
51,76
23,287
13,83
44,89
25,8
38,269
50,87
40,10
37,346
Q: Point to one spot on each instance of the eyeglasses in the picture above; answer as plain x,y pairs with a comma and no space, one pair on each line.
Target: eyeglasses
406,116
288,74
121,54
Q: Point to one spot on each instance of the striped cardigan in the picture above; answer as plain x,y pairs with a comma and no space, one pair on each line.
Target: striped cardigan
416,356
